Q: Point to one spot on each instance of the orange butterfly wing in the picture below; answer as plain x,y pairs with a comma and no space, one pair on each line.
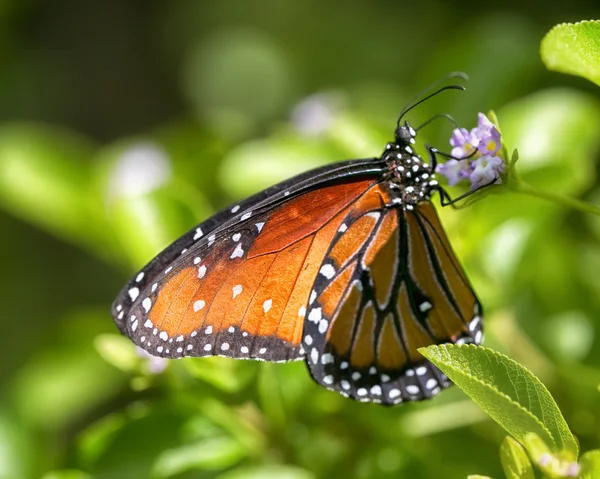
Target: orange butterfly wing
243,292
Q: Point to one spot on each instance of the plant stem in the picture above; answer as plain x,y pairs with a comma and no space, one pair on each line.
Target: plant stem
522,187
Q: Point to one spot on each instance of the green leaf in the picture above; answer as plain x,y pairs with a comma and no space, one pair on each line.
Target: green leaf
590,465
267,472
118,351
44,179
574,48
67,474
515,462
67,379
210,454
508,392
226,375
269,390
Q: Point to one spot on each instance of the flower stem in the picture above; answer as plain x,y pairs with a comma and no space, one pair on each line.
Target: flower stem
522,187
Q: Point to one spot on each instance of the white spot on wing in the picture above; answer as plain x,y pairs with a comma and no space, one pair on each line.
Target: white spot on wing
245,216
314,355
328,379
267,305
425,306
198,234
315,315
198,305
236,237
302,311
235,209
259,226
328,271
412,389
147,304
201,271
323,326
224,346
139,277
394,393
163,335
327,358
237,290
134,293
238,252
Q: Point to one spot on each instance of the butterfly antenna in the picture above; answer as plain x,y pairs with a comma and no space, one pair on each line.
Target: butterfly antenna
441,115
418,99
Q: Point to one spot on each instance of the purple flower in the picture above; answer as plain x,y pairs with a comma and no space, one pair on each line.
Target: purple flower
573,470
463,142
454,170
154,364
487,134
483,122
474,155
486,170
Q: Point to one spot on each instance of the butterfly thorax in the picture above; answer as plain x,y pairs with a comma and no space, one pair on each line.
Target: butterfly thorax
410,176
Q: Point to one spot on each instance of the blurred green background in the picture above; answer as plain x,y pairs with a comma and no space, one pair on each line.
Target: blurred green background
124,123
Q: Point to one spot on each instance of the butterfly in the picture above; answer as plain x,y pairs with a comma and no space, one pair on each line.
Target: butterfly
346,267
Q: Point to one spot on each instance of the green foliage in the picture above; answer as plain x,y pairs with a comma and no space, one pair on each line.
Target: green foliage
590,465
148,153
574,48
515,462
509,393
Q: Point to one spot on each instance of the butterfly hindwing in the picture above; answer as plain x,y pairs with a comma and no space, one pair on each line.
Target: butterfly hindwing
388,285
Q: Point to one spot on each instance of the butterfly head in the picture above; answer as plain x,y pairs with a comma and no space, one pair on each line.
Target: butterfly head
405,135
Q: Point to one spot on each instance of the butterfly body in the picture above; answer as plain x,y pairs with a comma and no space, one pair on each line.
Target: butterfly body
346,267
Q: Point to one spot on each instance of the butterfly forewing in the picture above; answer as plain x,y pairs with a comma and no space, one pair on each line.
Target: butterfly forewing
241,291
388,285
